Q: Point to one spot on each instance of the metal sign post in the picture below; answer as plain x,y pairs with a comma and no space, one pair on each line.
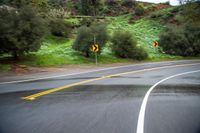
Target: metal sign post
96,58
95,48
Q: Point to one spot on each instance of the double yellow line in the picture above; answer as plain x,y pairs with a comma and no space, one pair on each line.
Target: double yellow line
42,93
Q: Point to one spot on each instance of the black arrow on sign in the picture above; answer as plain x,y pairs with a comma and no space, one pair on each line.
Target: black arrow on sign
95,48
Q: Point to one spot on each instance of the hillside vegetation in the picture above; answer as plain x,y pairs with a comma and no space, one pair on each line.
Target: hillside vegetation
56,49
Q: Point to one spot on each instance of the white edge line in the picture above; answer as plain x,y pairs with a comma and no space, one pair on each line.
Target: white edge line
140,124
65,75
109,68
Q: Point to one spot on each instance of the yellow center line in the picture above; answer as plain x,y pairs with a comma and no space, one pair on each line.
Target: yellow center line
42,93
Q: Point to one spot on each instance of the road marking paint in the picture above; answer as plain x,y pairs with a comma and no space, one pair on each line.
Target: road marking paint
140,124
110,68
34,96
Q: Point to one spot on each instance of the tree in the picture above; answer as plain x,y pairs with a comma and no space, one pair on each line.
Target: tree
128,3
59,28
191,12
85,38
111,2
21,30
139,10
85,7
95,5
182,41
124,45
18,3
89,7
57,3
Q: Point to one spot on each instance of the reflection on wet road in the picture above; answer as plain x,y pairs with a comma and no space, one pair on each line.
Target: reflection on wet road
174,109
106,106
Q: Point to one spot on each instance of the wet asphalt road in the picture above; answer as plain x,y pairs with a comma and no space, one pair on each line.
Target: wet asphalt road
106,106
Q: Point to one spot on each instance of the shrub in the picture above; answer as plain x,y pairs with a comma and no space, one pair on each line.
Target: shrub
111,2
174,43
21,30
57,3
85,38
56,13
128,3
155,15
87,21
139,10
192,33
104,10
124,45
59,28
191,12
183,42
89,7
176,9
167,3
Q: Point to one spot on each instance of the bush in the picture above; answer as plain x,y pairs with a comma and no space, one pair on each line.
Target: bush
183,42
155,15
57,3
87,21
139,10
59,28
167,3
56,13
192,33
21,30
85,38
125,46
128,3
111,2
104,10
89,7
191,12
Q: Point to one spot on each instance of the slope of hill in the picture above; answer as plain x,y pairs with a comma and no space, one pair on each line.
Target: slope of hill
146,28
57,51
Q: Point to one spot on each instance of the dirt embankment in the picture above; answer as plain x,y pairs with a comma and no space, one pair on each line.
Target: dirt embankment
23,70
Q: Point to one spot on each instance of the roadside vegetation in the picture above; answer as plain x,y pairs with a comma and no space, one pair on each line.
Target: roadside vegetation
58,32
124,45
21,30
183,37
87,36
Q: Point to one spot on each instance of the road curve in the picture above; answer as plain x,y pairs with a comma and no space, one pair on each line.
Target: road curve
109,102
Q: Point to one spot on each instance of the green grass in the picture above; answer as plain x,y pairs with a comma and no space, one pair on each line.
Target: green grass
166,11
58,51
165,15
73,21
5,67
146,31
55,51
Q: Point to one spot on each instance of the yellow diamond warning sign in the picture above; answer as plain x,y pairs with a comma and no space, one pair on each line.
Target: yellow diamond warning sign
95,47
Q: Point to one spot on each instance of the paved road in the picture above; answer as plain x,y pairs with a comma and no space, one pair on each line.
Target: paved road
108,104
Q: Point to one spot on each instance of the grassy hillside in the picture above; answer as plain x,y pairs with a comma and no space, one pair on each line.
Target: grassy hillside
145,30
58,51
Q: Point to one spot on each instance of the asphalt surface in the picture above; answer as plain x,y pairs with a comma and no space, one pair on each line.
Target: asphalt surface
109,105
